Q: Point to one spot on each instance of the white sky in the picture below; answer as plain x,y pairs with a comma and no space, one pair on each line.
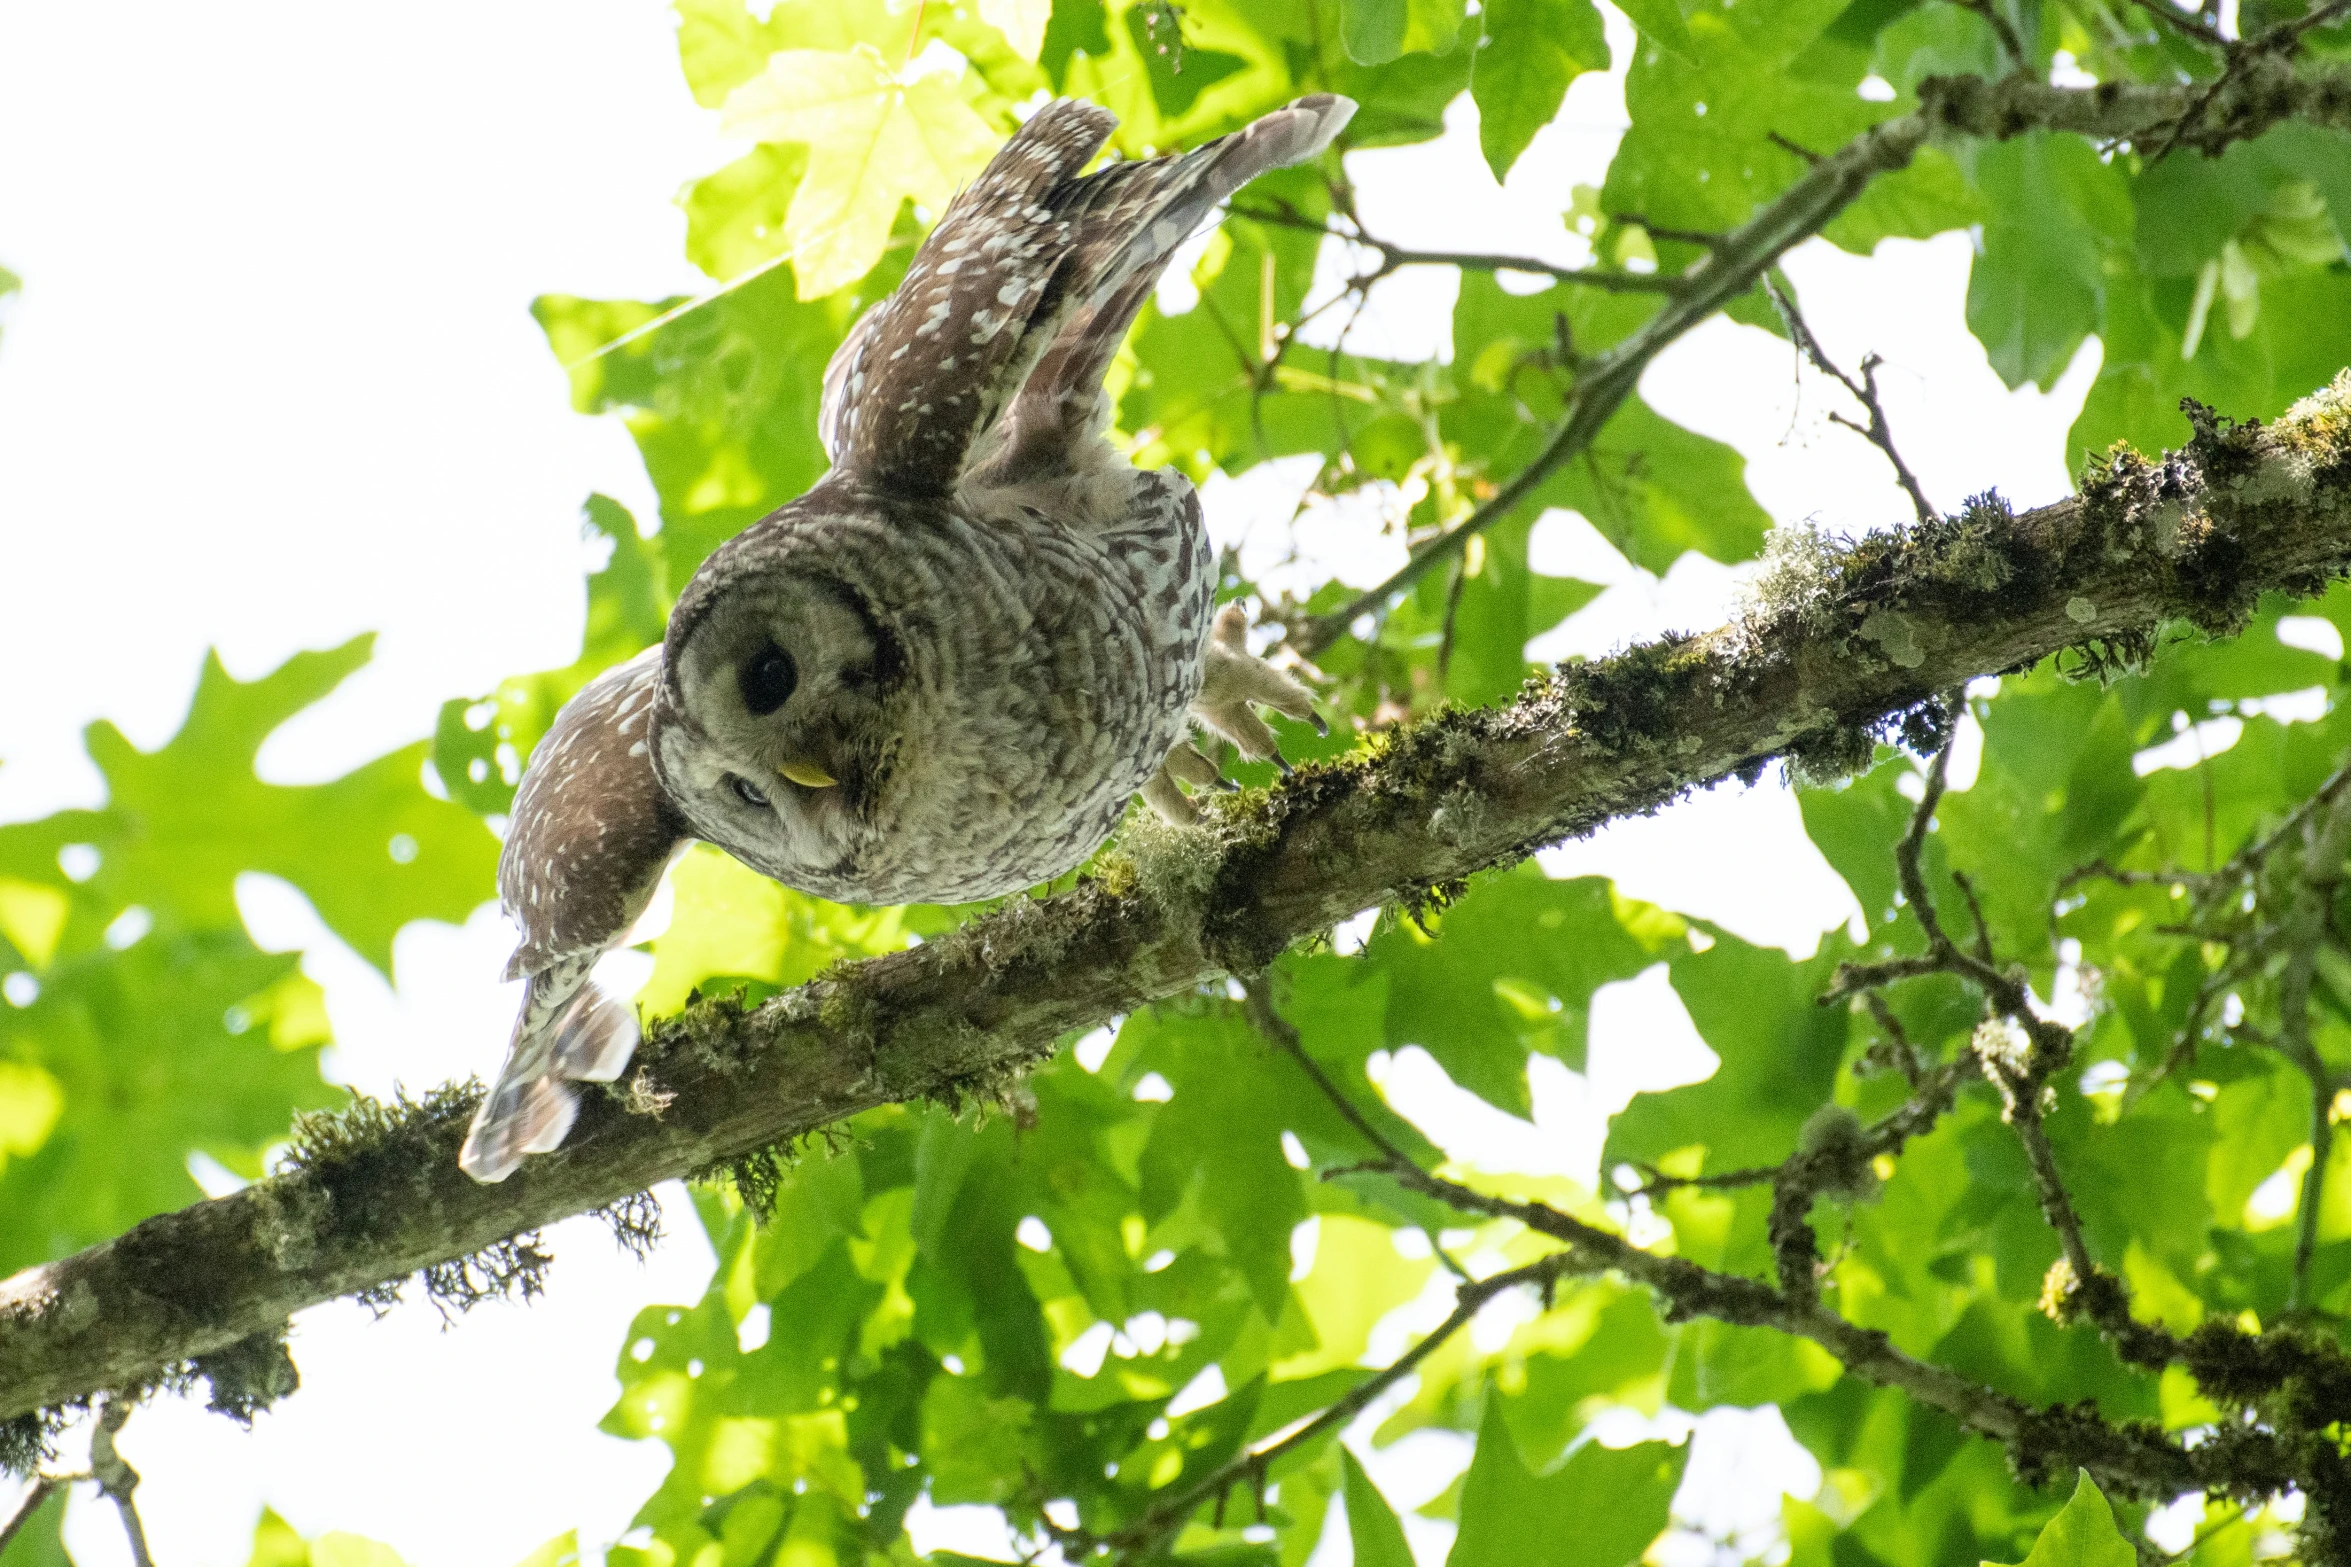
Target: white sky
272,381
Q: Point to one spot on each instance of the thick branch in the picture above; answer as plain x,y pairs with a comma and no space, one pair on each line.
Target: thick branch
2265,91
1813,671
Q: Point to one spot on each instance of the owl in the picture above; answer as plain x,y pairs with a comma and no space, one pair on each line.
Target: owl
943,672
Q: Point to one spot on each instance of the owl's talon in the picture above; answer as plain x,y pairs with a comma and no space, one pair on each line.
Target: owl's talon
1235,683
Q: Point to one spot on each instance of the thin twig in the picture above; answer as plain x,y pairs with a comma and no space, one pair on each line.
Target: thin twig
2002,29
2278,42
1138,1538
1394,256
2140,1459
1703,238
116,1478
2194,26
1606,380
1798,148
1879,432
1452,617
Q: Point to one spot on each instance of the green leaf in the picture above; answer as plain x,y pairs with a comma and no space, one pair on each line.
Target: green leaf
736,219
1929,197
561,1551
730,922
1701,153
1219,1138
2082,1534
1372,1528
1372,30
2039,283
1512,968
1530,51
39,1539
1755,1007
135,1059
1602,1508
873,141
721,399
371,849
1358,1277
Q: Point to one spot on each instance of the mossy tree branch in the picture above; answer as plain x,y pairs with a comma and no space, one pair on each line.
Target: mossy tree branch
1843,643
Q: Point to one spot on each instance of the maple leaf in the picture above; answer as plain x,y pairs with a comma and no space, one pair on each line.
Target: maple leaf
874,139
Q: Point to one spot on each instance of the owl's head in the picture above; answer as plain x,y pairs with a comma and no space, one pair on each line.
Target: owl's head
776,736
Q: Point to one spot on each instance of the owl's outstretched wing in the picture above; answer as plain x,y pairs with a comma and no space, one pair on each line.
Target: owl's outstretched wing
591,833
1024,289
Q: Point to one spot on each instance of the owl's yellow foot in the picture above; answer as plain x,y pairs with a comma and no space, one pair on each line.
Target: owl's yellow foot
1237,683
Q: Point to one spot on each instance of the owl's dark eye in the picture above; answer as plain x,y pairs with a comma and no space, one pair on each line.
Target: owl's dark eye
768,680
747,792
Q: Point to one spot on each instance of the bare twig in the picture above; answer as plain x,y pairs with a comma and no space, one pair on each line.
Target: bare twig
1136,1540
2187,22
2002,29
118,1480
1394,256
1704,238
2276,43
1878,432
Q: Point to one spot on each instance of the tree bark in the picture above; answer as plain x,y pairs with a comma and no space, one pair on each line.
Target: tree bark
1841,643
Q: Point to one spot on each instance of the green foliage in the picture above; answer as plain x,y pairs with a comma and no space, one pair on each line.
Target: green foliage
1527,54
142,1025
2082,1534
1002,1309
1602,1508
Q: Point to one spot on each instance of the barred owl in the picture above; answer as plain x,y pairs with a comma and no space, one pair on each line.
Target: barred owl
943,672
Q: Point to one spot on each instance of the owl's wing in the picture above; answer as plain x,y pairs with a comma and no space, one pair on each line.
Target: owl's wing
1030,279
591,833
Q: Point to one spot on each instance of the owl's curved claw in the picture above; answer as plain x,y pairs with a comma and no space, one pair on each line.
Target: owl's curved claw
1235,683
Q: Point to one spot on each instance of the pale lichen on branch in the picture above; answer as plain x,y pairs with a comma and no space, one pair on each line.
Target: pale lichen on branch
1827,659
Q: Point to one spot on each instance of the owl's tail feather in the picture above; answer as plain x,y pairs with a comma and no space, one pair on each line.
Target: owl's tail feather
530,1108
1025,288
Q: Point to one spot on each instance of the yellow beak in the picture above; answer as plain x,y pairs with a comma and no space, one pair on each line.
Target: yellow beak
807,775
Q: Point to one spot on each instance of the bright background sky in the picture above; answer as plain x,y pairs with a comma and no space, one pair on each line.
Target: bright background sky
273,373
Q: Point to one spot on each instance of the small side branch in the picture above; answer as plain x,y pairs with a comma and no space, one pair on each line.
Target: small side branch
1878,432
1138,1540
1394,256
117,1479
2186,22
2004,30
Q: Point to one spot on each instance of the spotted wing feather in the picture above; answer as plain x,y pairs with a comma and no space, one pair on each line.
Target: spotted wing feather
591,833
1025,288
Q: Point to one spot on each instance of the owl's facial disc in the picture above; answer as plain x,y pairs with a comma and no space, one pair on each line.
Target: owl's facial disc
788,691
